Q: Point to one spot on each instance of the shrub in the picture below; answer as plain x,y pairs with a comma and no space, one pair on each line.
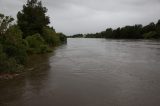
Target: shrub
150,35
35,41
43,48
3,59
14,46
50,36
8,65
63,38
158,32
36,44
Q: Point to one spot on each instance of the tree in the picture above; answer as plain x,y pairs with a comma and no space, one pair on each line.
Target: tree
148,28
4,23
32,18
150,35
77,36
36,44
108,33
63,37
158,28
14,46
158,23
50,36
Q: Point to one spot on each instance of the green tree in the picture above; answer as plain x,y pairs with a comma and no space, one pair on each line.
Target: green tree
32,18
7,64
148,28
158,28
63,37
36,44
150,35
108,33
5,22
158,23
50,36
14,45
12,51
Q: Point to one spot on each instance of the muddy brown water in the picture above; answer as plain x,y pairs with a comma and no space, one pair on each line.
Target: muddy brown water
89,72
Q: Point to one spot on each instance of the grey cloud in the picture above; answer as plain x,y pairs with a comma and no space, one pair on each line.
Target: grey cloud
86,16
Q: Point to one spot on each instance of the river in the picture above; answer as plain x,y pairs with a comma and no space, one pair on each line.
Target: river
89,72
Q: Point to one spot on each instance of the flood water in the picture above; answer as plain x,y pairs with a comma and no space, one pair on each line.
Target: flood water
89,72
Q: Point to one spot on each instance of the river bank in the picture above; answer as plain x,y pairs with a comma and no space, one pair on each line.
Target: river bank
31,64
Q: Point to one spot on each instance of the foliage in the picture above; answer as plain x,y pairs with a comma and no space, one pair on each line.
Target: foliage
4,23
158,29
44,48
32,18
149,28
76,36
36,44
2,59
150,35
8,64
12,51
31,35
130,32
34,41
50,36
14,46
63,37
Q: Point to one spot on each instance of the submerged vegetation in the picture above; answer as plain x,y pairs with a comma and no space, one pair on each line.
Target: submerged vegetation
31,35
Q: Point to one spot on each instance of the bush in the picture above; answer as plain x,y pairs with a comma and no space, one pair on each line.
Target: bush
43,48
8,65
63,38
150,35
50,36
158,32
3,59
35,41
36,44
14,46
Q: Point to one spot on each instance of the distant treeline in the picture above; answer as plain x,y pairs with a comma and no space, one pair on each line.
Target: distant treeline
76,36
151,31
30,35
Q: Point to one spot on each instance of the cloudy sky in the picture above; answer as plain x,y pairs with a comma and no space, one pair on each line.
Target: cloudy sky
89,16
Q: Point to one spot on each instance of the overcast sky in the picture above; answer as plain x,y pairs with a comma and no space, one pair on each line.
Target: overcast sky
89,16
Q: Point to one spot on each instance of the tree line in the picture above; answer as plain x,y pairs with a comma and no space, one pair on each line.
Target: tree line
150,31
76,36
31,34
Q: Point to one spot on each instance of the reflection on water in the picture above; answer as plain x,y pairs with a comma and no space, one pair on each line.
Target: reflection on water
89,72
29,84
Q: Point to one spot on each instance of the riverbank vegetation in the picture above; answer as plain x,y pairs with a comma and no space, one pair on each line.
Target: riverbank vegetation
76,36
30,35
150,31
